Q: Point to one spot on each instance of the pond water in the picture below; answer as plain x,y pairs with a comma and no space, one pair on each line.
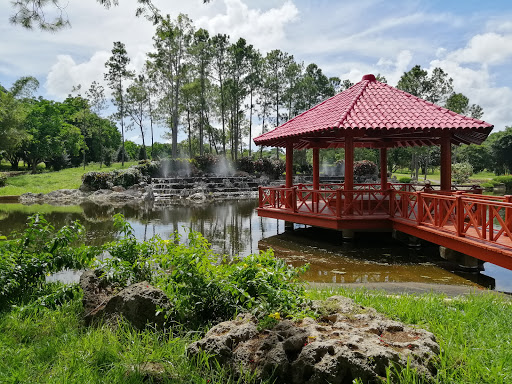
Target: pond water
234,228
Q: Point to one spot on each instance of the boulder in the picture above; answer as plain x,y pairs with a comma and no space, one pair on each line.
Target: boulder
139,304
97,292
346,342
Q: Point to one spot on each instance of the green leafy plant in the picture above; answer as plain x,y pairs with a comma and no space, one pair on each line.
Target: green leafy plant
507,180
37,252
404,180
202,286
129,261
461,172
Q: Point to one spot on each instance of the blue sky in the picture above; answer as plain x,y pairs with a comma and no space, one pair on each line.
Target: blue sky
471,40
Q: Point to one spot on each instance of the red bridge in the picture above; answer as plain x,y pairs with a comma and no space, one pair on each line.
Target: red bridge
476,225
374,115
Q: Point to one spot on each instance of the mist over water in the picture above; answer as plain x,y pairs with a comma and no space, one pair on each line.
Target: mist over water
224,167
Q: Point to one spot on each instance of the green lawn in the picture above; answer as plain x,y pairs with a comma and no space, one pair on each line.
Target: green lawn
44,182
435,177
41,345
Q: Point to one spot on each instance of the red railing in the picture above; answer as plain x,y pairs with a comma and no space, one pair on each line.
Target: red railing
486,219
464,215
337,203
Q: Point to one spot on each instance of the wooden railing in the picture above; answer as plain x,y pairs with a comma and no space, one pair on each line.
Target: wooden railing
461,214
326,202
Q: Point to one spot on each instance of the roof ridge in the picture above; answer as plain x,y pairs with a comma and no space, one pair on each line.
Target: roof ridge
344,116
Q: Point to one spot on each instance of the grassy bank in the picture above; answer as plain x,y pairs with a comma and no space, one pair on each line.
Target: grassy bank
435,177
52,346
44,182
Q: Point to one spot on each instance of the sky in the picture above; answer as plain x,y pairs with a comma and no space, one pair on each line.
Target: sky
471,40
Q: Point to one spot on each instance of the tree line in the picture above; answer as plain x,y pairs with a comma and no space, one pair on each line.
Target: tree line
211,89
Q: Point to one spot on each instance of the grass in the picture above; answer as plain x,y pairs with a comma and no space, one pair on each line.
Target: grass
435,177
52,346
43,209
474,332
70,178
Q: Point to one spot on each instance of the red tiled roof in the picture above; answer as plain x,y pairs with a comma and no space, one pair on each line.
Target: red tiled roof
376,114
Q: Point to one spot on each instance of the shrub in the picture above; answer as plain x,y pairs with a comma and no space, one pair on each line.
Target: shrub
3,181
142,153
201,290
108,156
97,180
119,155
149,168
461,172
245,164
39,251
404,180
272,167
365,168
127,177
507,180
206,163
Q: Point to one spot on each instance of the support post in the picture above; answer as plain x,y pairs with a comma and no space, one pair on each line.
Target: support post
446,164
289,172
349,173
316,176
383,168
349,163
289,165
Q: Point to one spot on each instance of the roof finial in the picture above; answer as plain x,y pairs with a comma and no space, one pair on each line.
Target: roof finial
369,77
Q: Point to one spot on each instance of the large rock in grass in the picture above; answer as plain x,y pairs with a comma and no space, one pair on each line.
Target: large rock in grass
348,341
140,304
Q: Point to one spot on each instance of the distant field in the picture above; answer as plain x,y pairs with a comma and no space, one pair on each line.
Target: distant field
435,177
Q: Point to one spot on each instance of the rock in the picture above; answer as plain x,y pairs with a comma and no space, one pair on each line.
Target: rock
197,197
97,293
139,303
347,341
118,188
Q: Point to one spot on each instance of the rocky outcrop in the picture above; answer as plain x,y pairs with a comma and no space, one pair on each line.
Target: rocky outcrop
117,196
348,341
140,304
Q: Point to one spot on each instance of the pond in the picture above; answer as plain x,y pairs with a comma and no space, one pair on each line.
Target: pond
234,228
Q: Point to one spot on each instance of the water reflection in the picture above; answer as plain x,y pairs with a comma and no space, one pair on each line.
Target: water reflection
234,228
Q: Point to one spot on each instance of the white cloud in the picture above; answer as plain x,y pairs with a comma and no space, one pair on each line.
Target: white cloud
264,29
489,48
66,73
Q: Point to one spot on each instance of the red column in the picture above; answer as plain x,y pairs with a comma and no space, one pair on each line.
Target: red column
316,173
316,168
349,162
446,164
289,165
383,168
349,173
